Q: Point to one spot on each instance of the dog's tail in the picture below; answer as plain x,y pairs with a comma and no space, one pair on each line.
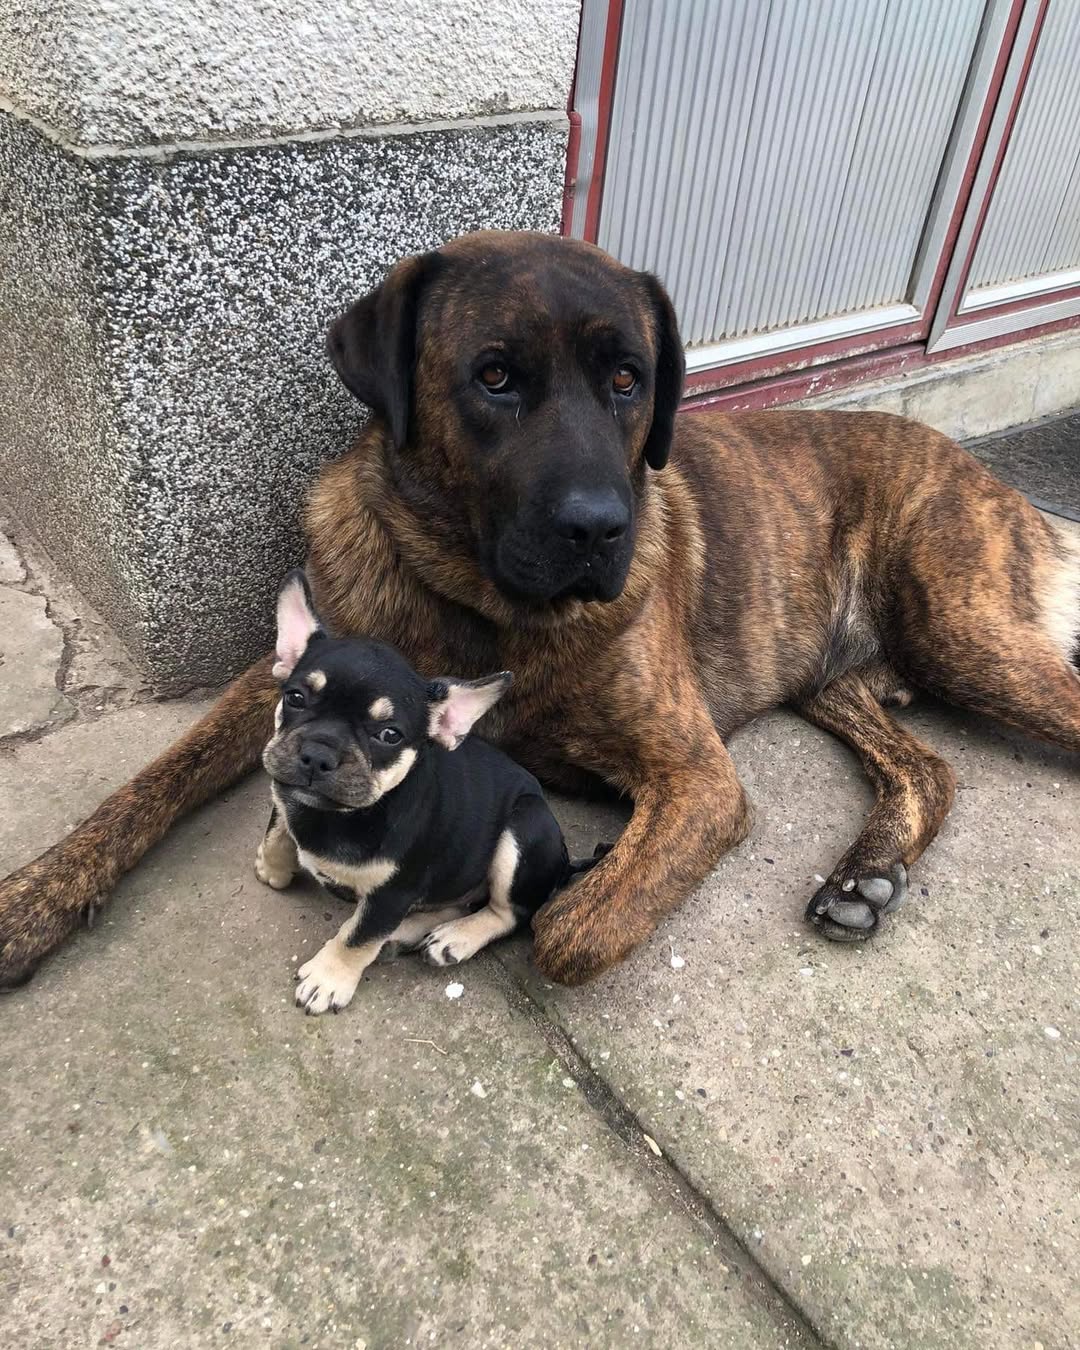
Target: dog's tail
44,901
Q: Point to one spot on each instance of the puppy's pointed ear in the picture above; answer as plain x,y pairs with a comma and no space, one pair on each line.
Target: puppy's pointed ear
455,705
297,623
670,373
373,345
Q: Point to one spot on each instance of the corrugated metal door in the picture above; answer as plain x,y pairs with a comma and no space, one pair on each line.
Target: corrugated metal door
1030,240
1016,259
788,167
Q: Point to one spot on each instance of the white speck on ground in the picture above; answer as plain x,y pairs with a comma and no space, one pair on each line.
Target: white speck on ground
478,1089
454,990
1052,1033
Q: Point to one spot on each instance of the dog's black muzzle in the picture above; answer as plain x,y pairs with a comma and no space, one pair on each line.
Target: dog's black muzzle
580,546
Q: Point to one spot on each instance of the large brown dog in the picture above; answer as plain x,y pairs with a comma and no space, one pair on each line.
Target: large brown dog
509,507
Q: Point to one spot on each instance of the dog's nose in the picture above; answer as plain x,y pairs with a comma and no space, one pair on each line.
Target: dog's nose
319,756
590,519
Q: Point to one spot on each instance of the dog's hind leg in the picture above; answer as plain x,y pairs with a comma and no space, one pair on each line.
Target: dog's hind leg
1031,688
998,632
528,863
914,792
415,928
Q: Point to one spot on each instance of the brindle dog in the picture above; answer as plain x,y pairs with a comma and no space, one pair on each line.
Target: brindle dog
511,506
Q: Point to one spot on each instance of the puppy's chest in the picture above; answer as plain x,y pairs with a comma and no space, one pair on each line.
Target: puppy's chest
351,866
346,879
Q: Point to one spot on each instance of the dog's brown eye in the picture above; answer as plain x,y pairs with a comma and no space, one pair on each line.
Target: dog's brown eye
388,736
624,380
494,376
294,698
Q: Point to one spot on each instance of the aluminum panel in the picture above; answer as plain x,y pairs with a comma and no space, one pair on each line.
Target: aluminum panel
775,161
1032,226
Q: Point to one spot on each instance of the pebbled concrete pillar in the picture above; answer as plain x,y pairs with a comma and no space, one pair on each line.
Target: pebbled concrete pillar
188,194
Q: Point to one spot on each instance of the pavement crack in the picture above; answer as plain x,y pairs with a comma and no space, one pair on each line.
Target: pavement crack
15,739
68,646
89,648
754,1279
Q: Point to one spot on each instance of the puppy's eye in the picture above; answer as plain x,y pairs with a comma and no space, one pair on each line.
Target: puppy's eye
494,377
388,736
624,381
294,698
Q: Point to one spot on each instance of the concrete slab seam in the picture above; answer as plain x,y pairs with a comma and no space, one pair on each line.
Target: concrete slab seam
624,1123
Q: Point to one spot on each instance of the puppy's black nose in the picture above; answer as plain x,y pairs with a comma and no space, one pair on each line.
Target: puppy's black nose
591,518
319,756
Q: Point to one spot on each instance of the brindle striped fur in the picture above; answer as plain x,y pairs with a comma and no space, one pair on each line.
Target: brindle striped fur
833,561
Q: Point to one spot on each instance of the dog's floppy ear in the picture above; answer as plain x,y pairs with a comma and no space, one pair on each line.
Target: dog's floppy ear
454,705
297,623
670,372
373,345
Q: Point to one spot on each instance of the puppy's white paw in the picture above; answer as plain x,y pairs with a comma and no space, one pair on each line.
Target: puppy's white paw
328,981
276,876
456,941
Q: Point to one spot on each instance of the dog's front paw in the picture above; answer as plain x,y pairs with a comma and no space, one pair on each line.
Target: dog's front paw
276,861
849,908
39,906
577,937
270,875
328,981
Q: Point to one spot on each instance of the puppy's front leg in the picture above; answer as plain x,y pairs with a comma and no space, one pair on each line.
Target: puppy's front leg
686,816
276,861
328,981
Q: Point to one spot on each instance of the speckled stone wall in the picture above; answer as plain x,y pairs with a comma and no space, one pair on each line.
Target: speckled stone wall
137,72
166,398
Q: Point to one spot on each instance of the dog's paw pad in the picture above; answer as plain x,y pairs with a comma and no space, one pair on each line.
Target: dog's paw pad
839,912
851,913
325,983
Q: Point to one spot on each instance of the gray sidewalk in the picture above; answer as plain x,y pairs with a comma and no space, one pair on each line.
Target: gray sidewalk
744,1137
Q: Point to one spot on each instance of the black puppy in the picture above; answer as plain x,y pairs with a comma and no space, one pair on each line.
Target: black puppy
370,800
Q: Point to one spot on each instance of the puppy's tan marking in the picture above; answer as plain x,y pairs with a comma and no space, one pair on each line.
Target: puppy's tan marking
361,878
316,680
392,775
381,710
